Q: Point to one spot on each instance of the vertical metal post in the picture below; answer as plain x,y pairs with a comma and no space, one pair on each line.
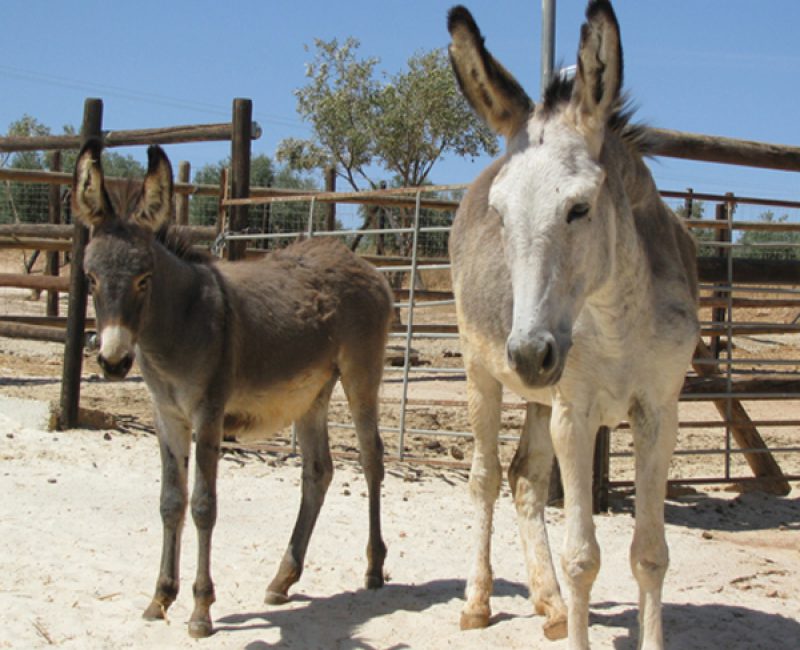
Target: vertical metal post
723,236
182,200
409,325
729,207
310,230
78,293
240,173
51,266
548,42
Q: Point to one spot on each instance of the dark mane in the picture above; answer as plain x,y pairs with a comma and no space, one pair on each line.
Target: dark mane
559,92
178,240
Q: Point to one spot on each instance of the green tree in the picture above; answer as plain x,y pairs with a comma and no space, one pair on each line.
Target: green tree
770,244
390,129
368,130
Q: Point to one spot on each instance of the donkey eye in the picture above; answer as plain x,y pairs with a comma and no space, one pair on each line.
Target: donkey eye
143,282
578,211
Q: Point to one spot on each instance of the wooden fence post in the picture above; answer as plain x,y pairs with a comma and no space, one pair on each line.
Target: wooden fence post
51,265
78,293
240,173
330,186
182,200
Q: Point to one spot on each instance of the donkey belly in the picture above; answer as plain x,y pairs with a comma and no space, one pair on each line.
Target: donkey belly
260,412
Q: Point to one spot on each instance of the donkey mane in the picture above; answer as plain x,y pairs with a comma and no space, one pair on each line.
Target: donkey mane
177,240
558,94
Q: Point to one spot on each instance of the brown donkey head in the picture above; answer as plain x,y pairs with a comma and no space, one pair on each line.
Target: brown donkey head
119,260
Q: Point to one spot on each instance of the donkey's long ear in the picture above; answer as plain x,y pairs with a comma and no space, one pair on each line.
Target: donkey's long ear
155,206
90,202
598,81
491,90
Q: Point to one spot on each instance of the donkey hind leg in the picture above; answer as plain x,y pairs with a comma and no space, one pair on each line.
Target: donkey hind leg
529,478
484,395
573,437
312,434
654,440
174,439
361,380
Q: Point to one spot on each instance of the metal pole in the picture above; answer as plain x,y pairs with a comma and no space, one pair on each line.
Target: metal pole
409,325
548,42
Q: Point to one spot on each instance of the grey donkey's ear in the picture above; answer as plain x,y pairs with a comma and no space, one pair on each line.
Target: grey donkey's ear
490,89
598,81
90,202
155,206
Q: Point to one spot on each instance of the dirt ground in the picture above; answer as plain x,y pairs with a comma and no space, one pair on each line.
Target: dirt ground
79,527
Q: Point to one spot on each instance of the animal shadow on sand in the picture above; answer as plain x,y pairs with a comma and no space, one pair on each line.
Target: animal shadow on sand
699,627
334,622
748,512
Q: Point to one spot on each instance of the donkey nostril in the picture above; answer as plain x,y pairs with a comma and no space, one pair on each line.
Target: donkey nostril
549,357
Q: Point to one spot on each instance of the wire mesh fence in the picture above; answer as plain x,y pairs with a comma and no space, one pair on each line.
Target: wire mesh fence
749,382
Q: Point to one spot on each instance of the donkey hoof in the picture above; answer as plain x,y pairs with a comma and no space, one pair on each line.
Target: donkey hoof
200,629
373,581
155,612
276,598
474,621
555,629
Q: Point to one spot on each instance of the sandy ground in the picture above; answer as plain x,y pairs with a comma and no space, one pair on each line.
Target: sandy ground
80,537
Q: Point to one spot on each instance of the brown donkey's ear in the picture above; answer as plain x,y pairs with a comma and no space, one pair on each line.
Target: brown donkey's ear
90,203
490,89
598,81
155,206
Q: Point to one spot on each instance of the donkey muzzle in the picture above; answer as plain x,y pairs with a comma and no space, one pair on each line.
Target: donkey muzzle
538,359
117,370
116,351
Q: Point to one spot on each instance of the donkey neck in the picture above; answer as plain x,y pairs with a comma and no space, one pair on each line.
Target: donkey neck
625,297
181,290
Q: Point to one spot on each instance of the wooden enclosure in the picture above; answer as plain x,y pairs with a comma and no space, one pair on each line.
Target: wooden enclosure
731,286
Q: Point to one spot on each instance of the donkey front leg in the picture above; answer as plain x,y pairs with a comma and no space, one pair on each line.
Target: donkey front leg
529,478
655,432
204,514
484,395
312,434
573,438
174,440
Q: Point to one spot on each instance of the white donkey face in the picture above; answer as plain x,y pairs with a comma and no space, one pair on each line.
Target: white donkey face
551,194
557,240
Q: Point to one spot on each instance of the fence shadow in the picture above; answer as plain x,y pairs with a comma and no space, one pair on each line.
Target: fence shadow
334,621
699,627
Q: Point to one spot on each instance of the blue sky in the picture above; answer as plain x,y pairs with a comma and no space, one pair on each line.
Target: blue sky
724,67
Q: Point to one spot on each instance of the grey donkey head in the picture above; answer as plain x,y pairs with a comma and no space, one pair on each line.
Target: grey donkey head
119,260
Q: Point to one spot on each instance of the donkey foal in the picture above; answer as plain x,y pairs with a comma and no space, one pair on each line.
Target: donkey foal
244,347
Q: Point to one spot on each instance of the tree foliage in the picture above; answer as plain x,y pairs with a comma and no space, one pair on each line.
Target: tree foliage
367,129
770,244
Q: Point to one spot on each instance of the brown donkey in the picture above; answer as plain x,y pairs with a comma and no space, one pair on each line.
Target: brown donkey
244,347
